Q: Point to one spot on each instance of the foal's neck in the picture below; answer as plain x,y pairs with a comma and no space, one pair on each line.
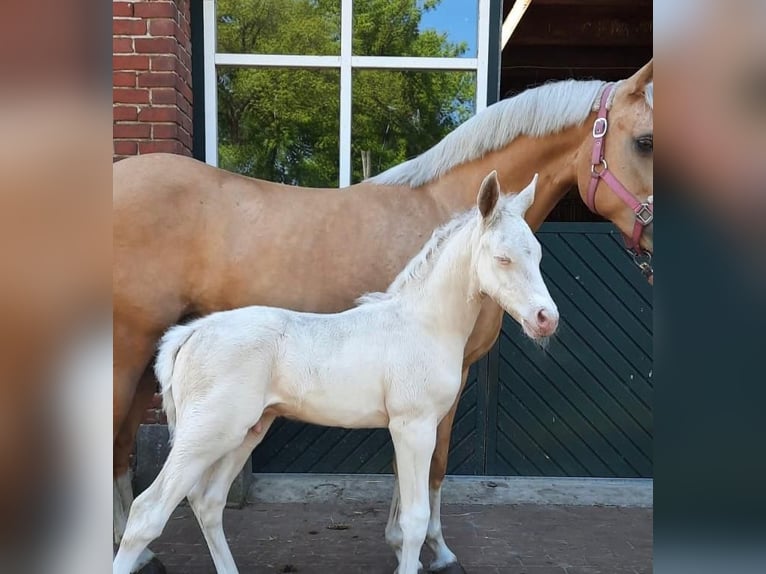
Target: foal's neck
448,296
553,157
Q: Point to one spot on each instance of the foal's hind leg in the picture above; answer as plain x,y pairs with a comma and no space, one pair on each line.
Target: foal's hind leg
208,497
197,445
414,444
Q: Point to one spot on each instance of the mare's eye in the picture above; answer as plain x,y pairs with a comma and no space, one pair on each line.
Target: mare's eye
645,144
502,260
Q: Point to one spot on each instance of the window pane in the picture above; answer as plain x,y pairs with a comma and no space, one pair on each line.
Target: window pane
279,124
310,27
416,27
400,114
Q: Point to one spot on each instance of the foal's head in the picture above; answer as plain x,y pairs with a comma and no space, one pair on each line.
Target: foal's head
508,259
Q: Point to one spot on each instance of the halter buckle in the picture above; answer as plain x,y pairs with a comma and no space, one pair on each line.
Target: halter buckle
644,214
599,127
597,172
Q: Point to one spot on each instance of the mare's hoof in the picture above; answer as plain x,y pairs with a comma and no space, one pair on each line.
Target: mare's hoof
452,568
154,566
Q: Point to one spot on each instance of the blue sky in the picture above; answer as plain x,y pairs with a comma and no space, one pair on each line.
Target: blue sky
456,17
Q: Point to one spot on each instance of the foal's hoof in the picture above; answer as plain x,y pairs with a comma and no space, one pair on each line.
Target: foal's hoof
154,566
452,568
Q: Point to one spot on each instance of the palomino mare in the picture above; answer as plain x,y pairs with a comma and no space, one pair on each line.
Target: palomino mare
190,239
394,361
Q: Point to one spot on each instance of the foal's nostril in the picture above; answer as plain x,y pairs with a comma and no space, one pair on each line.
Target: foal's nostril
547,320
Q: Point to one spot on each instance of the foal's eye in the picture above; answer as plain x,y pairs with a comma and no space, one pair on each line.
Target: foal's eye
645,144
502,260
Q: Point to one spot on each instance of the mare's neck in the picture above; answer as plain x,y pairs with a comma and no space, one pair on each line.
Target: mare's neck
553,157
447,298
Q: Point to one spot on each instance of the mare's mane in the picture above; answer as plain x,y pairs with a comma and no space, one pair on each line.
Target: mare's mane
537,112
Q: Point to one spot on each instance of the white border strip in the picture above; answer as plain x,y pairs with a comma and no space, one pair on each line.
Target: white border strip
211,83
363,62
276,61
623,492
346,45
482,52
405,63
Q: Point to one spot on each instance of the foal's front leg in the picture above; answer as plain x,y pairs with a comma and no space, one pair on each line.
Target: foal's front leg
414,442
445,561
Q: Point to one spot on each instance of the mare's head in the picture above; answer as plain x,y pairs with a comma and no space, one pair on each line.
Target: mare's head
627,156
508,259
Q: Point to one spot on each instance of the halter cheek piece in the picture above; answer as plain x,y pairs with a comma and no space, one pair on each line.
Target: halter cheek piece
599,170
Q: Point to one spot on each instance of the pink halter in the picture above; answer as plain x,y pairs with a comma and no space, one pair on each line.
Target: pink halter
600,170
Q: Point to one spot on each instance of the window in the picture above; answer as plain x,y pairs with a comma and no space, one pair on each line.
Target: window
328,92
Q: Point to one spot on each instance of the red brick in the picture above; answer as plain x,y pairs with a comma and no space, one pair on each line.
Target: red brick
162,146
157,79
185,138
153,417
163,27
130,62
185,59
155,10
164,96
185,106
185,122
130,131
156,401
124,79
164,131
125,113
122,45
128,27
183,87
165,114
156,45
163,63
125,148
122,9
130,96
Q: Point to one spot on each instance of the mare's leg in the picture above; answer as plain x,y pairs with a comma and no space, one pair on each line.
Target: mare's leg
126,437
414,442
132,396
208,497
445,560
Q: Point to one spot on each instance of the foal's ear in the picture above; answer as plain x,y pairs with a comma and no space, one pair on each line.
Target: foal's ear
525,198
489,193
638,81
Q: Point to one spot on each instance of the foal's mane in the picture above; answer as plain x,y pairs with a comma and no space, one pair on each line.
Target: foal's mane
536,112
420,265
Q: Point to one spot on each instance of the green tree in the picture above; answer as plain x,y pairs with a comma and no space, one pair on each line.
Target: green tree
282,124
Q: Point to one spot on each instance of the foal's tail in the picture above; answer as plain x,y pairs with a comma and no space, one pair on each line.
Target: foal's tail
169,346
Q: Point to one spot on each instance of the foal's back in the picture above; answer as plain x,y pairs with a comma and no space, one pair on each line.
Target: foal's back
348,369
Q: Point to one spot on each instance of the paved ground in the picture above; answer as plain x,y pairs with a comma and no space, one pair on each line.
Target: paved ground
347,538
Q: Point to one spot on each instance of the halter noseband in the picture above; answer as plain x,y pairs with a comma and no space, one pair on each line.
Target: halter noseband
599,170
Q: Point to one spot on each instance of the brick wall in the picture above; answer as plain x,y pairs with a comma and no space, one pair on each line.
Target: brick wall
152,88
152,96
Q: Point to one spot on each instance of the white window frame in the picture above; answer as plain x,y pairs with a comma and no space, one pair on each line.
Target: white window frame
345,62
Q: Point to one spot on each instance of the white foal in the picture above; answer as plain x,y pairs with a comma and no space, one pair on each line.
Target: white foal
393,361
